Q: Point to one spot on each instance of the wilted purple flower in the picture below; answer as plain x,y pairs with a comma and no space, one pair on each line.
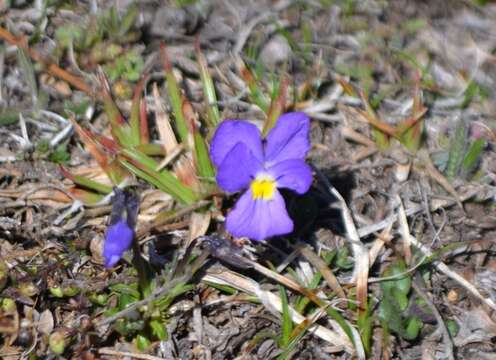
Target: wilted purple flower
245,160
120,232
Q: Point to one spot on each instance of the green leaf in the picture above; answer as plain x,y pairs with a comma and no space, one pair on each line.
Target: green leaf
159,330
390,314
457,150
412,137
8,117
453,327
126,289
413,327
142,342
60,155
470,92
128,20
401,298
343,259
472,157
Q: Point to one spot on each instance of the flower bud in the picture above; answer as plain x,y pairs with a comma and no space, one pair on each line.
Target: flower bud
56,342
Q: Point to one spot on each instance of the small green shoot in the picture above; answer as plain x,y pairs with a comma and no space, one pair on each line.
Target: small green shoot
464,157
394,303
287,322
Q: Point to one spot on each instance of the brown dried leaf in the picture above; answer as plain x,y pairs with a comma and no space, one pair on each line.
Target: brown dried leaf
164,127
46,322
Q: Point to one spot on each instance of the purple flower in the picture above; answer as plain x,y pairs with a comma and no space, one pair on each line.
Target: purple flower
120,232
246,161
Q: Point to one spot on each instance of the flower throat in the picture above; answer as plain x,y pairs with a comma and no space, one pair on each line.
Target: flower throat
263,188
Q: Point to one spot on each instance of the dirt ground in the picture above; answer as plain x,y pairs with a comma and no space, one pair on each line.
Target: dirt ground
402,98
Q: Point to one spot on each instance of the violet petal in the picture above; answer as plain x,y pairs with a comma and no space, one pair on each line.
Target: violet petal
118,239
237,169
259,219
292,174
231,132
289,139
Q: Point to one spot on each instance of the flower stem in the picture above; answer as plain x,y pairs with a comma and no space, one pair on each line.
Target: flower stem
144,273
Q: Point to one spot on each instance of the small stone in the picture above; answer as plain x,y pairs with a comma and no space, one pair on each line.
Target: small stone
276,51
452,296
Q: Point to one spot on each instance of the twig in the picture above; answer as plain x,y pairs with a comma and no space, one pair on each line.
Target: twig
119,354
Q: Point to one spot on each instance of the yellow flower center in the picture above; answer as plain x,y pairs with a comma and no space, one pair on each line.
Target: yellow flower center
263,187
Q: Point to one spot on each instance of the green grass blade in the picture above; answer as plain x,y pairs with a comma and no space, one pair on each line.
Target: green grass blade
472,156
203,162
135,118
277,105
456,151
86,183
213,115
257,96
287,323
175,96
162,182
364,323
87,197
119,128
9,116
28,71
151,149
144,167
296,336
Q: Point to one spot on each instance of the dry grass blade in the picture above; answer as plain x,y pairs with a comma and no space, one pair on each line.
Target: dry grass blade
378,244
439,178
121,354
360,253
273,301
164,127
285,281
322,267
405,232
198,226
